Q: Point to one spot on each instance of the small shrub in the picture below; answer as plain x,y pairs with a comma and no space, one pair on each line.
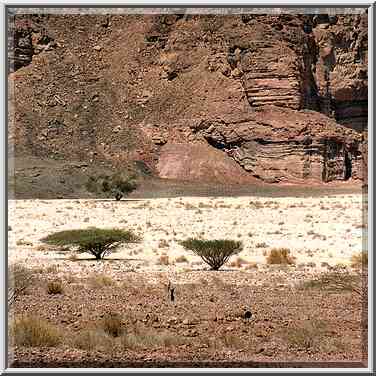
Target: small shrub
359,260
181,258
20,278
238,263
98,242
55,287
33,331
163,243
214,252
189,206
164,260
24,242
101,280
112,324
280,256
116,185
261,245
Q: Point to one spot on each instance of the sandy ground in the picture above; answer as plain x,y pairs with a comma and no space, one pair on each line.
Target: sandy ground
207,315
319,232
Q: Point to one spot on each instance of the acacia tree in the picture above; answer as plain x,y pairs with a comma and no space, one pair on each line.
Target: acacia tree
117,185
214,252
98,242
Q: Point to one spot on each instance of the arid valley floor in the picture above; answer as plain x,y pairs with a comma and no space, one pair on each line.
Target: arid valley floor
311,311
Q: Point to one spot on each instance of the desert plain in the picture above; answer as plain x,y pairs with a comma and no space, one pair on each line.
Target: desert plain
310,312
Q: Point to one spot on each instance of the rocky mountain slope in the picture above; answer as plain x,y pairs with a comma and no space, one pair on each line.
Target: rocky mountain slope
235,98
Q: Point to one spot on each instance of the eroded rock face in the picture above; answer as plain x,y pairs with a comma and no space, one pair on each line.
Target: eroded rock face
26,39
278,145
279,98
200,162
341,69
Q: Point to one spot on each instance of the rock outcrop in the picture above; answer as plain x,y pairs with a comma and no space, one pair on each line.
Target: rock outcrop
277,98
200,162
279,145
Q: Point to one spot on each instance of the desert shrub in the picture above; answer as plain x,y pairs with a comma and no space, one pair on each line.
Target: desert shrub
181,258
24,242
33,331
238,263
98,242
101,280
280,256
214,252
20,278
112,324
359,259
54,287
164,259
116,185
163,243
261,245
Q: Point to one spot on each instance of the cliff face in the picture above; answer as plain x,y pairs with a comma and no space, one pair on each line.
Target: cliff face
280,98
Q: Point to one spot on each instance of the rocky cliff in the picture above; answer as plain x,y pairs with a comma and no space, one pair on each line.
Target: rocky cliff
240,98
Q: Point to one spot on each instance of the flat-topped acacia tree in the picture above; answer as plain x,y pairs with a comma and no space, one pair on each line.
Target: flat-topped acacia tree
214,252
98,242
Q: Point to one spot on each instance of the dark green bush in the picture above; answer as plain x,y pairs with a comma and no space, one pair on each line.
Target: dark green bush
117,185
214,252
98,242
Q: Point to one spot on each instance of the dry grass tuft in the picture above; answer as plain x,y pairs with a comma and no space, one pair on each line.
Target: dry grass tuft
55,287
181,258
101,280
280,256
20,279
238,263
33,331
163,243
92,339
24,242
112,324
261,245
359,259
164,260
